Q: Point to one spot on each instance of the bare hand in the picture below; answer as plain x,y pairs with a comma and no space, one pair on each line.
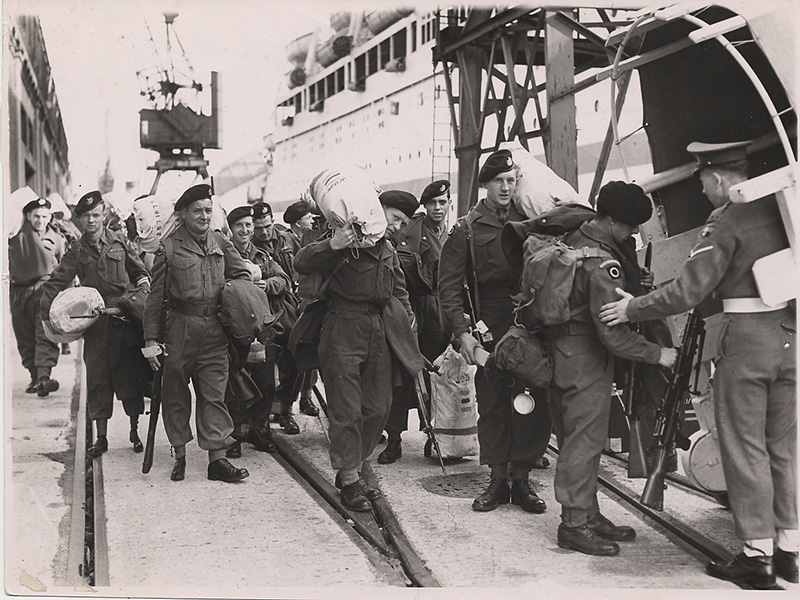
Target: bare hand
153,360
343,237
615,313
648,279
261,283
668,357
468,345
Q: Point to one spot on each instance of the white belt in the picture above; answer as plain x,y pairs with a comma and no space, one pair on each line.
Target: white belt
749,305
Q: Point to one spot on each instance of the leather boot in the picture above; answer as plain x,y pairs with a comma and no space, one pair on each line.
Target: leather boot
137,443
45,385
755,571
785,565
603,527
307,406
222,470
523,496
99,447
496,494
392,452
261,438
585,540
353,497
288,424
234,450
178,469
33,386
371,493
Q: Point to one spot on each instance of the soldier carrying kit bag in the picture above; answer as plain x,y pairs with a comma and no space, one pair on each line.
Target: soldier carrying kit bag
546,268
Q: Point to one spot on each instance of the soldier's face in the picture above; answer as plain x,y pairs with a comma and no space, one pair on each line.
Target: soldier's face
92,220
712,187
395,219
306,221
263,229
197,216
39,218
242,232
621,231
437,209
500,188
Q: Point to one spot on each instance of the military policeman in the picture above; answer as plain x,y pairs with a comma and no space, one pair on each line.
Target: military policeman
472,254
755,381
368,322
103,259
33,253
419,245
274,282
583,352
190,268
281,247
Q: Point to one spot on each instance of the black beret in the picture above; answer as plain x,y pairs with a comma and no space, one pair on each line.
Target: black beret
296,211
434,190
34,204
708,155
625,202
403,201
498,162
261,210
201,191
238,213
87,203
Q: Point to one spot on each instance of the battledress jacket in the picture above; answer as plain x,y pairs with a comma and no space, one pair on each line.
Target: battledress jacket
369,275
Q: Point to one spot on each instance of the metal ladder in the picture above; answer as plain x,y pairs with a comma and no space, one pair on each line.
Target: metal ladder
442,144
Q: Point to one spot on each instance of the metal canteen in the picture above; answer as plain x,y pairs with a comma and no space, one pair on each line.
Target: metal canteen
524,402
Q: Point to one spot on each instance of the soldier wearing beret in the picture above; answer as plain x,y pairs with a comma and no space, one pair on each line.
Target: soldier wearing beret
367,329
33,254
103,259
755,381
419,244
472,254
300,220
280,245
251,423
190,269
583,352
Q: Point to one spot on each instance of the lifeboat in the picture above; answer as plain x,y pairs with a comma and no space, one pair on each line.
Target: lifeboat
378,20
333,49
297,49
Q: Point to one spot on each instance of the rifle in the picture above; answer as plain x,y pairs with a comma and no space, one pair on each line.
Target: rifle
479,328
423,397
155,396
637,461
667,430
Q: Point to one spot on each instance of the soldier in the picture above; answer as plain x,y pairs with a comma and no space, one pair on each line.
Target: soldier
301,222
280,246
419,245
274,282
755,381
104,260
190,267
472,254
33,253
368,312
583,352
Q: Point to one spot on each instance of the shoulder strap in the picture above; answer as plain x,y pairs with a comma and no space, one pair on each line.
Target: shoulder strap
471,270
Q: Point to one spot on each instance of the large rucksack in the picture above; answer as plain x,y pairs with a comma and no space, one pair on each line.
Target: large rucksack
545,266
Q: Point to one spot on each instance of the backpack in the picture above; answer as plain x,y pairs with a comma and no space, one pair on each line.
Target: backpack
546,264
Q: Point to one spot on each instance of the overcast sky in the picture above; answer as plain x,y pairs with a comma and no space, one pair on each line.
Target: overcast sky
96,47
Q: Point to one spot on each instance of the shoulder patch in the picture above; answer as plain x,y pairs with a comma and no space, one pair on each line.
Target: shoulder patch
613,267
